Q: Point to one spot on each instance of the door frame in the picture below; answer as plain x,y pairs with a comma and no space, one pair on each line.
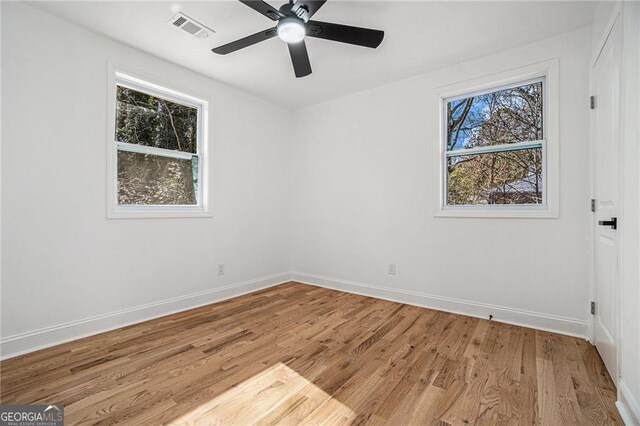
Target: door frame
614,19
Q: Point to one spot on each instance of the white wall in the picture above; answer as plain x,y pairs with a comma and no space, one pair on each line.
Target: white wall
363,197
628,382
630,348
63,261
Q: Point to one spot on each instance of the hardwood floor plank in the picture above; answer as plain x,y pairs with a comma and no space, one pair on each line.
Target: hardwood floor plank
296,354
547,393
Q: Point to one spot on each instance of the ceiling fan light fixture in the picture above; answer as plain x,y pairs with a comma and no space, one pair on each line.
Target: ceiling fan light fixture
291,30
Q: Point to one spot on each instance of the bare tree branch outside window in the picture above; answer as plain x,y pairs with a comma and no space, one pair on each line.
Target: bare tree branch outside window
497,119
147,179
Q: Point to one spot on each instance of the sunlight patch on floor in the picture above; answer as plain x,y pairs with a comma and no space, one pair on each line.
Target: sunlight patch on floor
275,395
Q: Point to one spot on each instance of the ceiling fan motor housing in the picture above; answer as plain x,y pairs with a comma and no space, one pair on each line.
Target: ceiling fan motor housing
294,24
299,11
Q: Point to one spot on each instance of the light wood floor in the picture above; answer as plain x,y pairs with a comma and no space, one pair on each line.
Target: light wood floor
296,354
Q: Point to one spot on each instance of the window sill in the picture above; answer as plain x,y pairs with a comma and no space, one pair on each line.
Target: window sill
506,213
151,213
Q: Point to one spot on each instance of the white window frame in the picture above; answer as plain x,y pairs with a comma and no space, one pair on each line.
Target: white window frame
547,72
145,84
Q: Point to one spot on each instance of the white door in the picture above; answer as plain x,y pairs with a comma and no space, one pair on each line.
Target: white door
606,184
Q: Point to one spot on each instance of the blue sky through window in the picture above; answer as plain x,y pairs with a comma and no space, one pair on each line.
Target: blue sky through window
501,117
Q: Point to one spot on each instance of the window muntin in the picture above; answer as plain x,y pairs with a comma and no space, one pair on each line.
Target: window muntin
495,147
158,138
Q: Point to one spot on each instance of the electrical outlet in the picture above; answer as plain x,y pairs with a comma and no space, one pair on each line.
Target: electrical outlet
392,269
220,268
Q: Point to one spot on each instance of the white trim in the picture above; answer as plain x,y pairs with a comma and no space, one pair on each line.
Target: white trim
30,341
50,336
495,148
153,212
517,211
537,320
487,85
123,76
124,79
628,406
546,71
161,152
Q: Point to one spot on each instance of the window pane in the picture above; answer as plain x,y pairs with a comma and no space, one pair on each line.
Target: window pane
147,120
145,179
502,117
510,177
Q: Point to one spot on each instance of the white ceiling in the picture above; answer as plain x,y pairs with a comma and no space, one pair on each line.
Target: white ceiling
419,37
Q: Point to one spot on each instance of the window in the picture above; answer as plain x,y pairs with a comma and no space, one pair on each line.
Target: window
495,150
158,162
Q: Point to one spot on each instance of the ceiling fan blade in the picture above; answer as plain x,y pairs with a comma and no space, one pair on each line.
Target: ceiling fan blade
345,34
245,42
263,8
300,59
311,6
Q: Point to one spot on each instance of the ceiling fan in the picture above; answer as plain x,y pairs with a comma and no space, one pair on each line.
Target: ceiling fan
294,23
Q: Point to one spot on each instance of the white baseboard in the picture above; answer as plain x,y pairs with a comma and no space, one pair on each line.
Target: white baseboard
537,320
627,405
22,343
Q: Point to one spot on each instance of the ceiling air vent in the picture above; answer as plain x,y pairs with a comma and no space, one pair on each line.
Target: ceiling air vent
190,26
